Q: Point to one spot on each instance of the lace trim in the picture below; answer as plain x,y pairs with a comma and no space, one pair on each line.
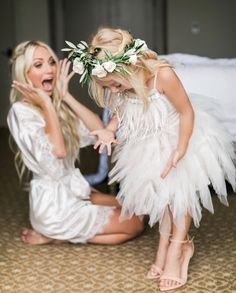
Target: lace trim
103,217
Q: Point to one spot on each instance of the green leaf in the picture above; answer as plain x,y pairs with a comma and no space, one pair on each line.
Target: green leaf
70,55
66,49
70,44
84,43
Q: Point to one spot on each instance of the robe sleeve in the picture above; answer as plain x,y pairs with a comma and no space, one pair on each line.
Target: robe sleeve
85,138
27,127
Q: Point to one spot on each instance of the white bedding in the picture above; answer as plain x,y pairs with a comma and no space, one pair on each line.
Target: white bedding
214,78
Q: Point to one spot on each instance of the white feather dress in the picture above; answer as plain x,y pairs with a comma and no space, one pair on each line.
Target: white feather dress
147,140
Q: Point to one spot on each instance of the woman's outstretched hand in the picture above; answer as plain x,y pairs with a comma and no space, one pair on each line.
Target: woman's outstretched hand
105,138
173,160
32,95
63,76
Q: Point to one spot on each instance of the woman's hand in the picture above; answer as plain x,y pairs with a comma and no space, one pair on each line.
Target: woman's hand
105,138
173,160
32,95
63,77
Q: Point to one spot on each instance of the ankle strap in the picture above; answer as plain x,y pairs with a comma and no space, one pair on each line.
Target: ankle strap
188,240
178,241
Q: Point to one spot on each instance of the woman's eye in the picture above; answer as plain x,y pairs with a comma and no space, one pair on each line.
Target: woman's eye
38,65
52,62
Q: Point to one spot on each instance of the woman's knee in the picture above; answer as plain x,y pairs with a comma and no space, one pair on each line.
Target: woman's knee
137,226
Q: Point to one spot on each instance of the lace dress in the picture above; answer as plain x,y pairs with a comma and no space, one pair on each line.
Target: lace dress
60,206
147,139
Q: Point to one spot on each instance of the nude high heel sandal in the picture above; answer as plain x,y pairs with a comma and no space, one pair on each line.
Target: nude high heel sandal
155,271
188,252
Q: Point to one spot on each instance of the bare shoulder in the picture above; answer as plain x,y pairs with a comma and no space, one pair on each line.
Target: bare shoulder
167,78
166,73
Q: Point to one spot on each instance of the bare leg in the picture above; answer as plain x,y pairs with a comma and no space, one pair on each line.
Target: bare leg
104,199
174,256
165,229
116,232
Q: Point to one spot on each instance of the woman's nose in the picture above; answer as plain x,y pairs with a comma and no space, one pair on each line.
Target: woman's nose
49,68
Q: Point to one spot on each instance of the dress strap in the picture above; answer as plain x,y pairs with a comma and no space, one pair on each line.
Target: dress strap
155,81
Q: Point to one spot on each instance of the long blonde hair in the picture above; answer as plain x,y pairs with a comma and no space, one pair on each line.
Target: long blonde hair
21,62
115,41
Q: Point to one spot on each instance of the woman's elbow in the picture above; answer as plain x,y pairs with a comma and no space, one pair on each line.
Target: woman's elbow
61,154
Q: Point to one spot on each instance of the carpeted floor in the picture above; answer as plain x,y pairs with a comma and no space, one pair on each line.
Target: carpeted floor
71,268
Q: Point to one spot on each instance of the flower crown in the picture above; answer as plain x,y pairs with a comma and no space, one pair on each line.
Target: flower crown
87,64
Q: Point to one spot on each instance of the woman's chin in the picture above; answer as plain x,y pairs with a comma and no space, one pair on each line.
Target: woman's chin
48,92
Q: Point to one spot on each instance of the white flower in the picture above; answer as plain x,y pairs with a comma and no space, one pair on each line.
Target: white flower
78,66
139,42
130,52
99,71
133,59
109,66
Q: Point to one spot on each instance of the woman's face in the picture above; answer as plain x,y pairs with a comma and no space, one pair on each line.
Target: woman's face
117,85
43,71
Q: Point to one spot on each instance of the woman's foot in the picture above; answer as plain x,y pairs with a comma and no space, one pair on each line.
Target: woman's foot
30,236
172,268
176,267
156,269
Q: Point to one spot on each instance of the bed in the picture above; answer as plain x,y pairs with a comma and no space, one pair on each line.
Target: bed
215,78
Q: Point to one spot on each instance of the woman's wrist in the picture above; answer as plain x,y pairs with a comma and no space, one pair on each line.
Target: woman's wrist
67,98
109,128
46,104
182,149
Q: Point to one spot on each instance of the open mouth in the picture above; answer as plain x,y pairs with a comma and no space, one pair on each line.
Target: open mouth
48,84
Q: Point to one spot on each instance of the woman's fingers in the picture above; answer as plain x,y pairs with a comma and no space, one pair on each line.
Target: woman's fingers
63,66
175,157
166,170
101,148
67,67
59,69
70,75
97,143
31,94
20,87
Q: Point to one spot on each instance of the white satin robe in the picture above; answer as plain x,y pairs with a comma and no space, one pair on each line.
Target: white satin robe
60,206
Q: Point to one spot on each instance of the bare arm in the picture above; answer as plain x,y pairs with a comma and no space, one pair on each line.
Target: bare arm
90,119
172,87
38,98
113,124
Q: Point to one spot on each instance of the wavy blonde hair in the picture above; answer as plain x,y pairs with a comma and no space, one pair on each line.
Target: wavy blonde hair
21,62
115,41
